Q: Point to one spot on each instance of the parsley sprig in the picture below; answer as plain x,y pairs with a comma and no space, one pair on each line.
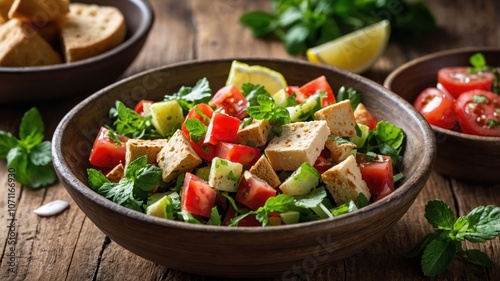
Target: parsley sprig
29,156
437,249
131,191
478,62
268,110
187,97
129,123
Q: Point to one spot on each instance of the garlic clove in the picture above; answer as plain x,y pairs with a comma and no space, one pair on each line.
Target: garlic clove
52,208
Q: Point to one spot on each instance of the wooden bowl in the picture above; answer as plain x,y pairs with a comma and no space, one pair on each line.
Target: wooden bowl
239,251
462,156
21,84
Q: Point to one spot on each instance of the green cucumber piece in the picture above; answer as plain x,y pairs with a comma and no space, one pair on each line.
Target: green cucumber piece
166,116
302,180
290,217
225,175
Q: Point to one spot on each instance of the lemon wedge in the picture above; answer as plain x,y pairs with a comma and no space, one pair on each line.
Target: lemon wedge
356,51
241,73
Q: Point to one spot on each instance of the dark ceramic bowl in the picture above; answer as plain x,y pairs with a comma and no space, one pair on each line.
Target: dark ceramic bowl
462,156
239,251
19,84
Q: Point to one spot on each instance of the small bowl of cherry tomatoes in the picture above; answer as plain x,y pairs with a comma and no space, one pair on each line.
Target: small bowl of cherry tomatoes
457,92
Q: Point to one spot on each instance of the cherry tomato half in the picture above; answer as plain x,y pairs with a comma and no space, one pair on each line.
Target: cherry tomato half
436,107
457,80
478,113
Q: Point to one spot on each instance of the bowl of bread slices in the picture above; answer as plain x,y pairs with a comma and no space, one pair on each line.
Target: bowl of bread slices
67,48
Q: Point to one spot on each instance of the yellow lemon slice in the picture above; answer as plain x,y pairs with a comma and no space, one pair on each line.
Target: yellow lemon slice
241,73
356,51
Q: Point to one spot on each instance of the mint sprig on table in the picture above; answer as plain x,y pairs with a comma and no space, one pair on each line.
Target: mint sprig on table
29,157
437,249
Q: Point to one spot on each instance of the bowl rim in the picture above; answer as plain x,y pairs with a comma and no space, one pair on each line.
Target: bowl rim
145,9
432,56
403,192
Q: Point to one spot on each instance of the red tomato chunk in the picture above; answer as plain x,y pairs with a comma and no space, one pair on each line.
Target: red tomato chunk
106,153
231,101
253,192
378,174
197,197
245,155
457,80
476,110
437,108
222,127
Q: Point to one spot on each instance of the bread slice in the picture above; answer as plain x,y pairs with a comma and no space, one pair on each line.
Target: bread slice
20,45
38,11
89,30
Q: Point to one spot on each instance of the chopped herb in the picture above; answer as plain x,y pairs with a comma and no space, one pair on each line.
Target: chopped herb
349,94
131,124
480,99
187,97
197,130
251,92
268,110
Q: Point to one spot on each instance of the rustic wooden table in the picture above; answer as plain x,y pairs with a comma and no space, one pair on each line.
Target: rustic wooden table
70,247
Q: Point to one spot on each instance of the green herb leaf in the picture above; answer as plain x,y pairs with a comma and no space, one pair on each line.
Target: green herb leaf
197,130
480,99
121,193
478,62
479,258
492,123
31,128
148,177
437,256
484,224
131,124
96,178
251,92
420,247
349,94
312,199
268,110
439,215
41,155
361,200
215,218
345,208
187,97
261,23
7,142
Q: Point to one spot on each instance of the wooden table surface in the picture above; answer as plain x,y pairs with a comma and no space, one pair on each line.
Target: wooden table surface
70,247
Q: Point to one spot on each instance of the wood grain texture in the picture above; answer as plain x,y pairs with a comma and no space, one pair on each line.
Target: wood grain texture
178,36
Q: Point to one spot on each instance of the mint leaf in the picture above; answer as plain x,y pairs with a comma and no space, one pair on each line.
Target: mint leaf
420,247
31,128
122,194
484,224
439,215
41,176
268,110
437,256
478,62
361,200
345,208
7,142
251,92
479,258
41,154
96,178
133,167
17,159
197,130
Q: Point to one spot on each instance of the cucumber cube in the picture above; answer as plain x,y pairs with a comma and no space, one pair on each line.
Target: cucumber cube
166,116
290,217
302,180
360,141
225,175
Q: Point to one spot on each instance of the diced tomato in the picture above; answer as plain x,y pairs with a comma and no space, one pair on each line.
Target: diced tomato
197,196
222,127
106,153
377,174
249,220
253,192
206,151
202,112
457,80
324,161
231,100
437,108
139,107
479,113
243,154
317,85
294,90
